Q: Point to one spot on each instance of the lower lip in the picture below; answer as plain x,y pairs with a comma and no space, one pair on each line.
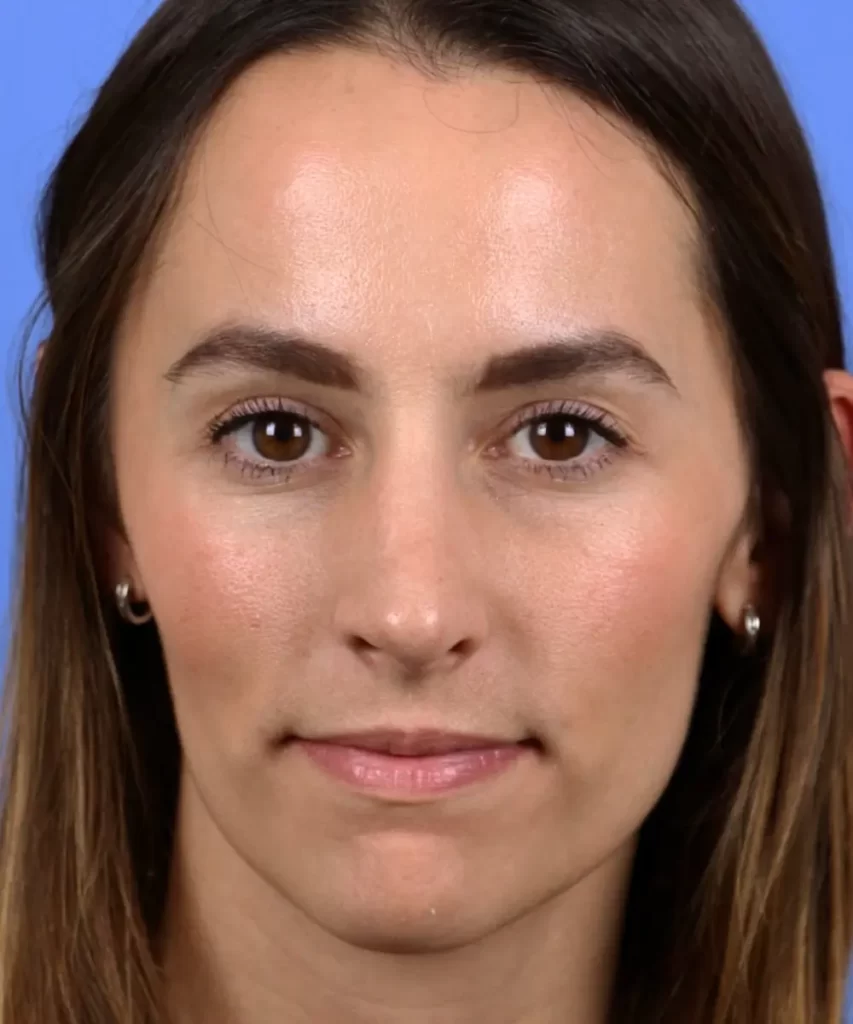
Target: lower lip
438,773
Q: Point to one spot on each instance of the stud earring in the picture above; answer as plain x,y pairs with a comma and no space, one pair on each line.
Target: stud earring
751,625
126,610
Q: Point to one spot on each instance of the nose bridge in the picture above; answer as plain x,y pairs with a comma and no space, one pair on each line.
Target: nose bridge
411,592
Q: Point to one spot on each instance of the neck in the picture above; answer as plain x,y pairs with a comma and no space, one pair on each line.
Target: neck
237,951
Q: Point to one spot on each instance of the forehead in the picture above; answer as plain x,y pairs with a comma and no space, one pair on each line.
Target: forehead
351,197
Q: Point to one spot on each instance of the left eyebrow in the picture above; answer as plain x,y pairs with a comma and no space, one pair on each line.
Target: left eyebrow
583,353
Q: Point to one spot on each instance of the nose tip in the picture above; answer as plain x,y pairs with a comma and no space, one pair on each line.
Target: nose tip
415,642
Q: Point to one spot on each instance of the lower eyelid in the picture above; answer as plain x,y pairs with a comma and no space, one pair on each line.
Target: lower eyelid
565,471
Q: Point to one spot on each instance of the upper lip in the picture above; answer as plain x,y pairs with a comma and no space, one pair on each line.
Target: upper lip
413,743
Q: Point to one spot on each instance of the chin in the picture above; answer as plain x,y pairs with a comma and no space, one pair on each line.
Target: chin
405,891
402,908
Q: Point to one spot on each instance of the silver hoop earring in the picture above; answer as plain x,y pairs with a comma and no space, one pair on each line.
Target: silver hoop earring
751,625
125,608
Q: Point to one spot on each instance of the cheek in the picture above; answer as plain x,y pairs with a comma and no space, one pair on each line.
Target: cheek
231,591
622,621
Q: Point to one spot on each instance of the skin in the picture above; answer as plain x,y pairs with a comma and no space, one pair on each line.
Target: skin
422,228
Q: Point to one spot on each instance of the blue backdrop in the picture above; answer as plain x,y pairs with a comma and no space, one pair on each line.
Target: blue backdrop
54,53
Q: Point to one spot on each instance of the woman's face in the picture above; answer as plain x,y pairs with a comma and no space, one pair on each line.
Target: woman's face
437,536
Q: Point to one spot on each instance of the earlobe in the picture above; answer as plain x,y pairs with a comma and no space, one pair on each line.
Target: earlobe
739,585
118,563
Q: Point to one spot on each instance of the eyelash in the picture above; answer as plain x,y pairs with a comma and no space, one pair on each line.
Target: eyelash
595,419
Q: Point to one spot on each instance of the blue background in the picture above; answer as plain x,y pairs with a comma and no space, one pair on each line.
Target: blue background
55,53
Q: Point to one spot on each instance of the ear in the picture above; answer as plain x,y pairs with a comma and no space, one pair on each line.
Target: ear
117,563
750,573
38,358
741,580
839,386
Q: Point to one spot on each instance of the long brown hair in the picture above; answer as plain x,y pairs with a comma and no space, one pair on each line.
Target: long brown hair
741,906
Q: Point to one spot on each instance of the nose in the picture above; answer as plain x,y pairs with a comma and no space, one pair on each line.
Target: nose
411,598
411,640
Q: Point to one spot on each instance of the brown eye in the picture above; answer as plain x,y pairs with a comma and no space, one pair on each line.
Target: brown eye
558,438
564,443
280,436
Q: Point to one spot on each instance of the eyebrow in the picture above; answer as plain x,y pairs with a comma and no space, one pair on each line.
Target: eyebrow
581,353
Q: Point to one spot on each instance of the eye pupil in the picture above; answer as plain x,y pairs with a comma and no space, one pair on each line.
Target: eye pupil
559,437
281,437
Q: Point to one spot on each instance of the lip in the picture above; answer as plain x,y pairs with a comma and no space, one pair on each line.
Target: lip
416,743
411,764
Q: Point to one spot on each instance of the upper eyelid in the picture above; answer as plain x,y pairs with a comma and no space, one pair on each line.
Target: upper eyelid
565,407
246,411
548,407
